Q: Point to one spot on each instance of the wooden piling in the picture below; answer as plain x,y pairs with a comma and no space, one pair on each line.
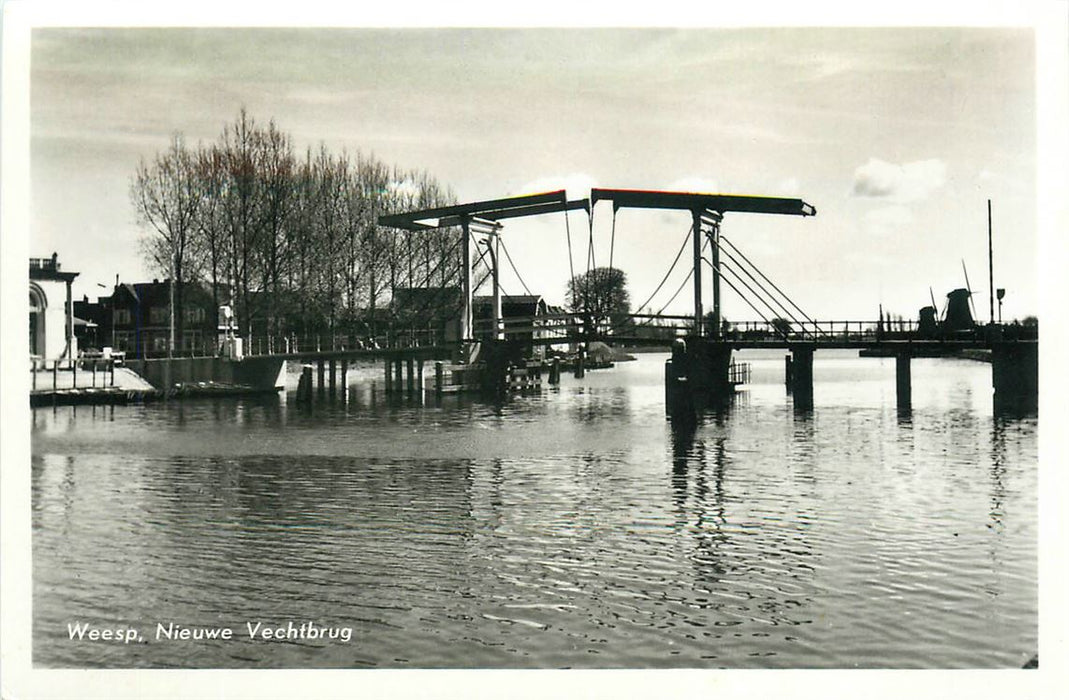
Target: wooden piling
304,385
802,374
320,372
554,371
903,389
410,376
388,375
439,375
344,378
333,374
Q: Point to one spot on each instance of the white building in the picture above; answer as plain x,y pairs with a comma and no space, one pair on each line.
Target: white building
51,310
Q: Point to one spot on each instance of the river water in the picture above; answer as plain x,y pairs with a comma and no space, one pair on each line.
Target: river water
575,527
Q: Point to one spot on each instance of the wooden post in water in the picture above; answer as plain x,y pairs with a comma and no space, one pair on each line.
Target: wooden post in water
903,388
320,372
389,376
410,375
554,371
788,372
55,374
802,374
398,380
33,374
419,375
344,380
333,373
580,362
438,378
74,373
304,385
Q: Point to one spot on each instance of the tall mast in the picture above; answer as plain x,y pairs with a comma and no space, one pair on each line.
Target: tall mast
990,266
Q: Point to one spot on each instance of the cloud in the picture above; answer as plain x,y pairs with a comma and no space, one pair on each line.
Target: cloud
910,182
578,185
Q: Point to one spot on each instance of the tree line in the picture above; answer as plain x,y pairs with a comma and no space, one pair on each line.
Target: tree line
290,240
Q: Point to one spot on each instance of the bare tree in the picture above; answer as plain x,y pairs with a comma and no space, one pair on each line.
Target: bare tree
166,198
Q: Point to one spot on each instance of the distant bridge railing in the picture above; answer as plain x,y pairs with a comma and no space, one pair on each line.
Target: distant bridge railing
568,328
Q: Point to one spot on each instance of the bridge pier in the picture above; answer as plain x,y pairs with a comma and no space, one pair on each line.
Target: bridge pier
398,379
554,371
319,375
344,379
387,375
410,376
333,374
903,386
697,375
801,383
1015,376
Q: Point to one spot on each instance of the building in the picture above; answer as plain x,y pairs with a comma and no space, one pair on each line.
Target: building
429,315
136,319
51,311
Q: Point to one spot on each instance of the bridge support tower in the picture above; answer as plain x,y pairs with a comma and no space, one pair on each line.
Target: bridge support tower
800,381
1015,375
697,375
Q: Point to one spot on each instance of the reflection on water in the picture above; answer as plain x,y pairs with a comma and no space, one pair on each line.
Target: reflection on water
571,528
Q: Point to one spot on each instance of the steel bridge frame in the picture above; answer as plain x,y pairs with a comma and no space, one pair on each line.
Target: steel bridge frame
707,211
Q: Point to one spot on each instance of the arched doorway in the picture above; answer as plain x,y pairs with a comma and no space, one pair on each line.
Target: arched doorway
38,304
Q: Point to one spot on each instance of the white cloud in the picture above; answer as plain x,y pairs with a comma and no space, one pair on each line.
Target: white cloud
578,185
910,182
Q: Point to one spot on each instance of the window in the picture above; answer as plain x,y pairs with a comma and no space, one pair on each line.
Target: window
158,315
122,317
124,340
195,315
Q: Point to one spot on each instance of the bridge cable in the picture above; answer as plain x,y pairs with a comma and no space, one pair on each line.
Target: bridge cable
743,297
741,281
690,273
513,266
789,300
672,267
782,309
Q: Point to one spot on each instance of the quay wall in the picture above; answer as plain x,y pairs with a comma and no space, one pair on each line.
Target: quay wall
253,372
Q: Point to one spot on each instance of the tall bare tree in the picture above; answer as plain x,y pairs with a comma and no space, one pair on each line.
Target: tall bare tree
166,198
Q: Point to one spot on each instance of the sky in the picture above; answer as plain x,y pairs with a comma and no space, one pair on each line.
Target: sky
898,137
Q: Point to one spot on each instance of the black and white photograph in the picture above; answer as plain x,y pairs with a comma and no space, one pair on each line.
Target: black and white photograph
405,354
